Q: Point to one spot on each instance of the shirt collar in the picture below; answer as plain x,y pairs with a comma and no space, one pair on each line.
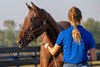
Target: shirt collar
78,26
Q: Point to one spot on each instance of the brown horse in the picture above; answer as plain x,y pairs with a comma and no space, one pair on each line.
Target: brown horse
38,22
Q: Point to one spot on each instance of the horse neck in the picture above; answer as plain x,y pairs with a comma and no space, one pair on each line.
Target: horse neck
52,29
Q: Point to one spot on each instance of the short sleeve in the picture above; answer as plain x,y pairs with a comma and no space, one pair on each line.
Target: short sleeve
59,40
92,42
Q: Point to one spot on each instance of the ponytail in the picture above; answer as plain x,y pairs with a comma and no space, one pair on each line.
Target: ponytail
76,34
75,17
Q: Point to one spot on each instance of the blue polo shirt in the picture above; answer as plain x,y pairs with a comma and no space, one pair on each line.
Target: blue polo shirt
72,51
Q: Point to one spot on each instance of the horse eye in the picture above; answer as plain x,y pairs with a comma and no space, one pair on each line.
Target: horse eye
32,19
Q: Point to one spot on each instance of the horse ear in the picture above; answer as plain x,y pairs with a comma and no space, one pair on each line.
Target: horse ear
34,6
29,7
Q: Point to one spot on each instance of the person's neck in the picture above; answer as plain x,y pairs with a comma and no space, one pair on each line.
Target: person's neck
77,23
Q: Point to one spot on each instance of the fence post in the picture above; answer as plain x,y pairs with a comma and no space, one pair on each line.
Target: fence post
35,57
18,58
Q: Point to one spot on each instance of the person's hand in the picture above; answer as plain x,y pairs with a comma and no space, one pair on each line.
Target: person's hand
46,45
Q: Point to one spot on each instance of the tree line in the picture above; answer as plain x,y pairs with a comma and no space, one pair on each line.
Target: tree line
9,34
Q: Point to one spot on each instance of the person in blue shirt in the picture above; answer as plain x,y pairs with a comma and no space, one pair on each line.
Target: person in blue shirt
76,42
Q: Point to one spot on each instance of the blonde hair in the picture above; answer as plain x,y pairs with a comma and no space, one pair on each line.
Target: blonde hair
75,16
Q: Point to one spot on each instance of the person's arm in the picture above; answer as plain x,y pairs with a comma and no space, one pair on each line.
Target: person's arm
93,56
52,50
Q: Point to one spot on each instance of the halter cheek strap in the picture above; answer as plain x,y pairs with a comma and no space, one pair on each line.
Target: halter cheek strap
40,28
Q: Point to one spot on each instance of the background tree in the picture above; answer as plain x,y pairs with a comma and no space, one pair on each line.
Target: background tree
2,37
10,35
94,27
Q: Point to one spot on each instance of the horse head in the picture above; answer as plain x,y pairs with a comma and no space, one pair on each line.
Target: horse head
33,26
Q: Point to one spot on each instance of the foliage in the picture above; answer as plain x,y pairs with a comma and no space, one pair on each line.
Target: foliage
8,36
9,24
94,27
1,37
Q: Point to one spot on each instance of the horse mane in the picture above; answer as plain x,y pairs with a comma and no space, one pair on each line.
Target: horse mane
54,27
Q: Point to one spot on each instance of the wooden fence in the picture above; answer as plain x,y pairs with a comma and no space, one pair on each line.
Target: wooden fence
15,56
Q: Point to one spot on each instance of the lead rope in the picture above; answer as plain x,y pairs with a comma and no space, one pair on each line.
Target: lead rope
91,61
54,59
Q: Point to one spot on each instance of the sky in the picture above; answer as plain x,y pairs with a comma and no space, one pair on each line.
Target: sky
17,10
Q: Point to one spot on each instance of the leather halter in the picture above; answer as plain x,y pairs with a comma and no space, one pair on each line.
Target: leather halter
41,28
